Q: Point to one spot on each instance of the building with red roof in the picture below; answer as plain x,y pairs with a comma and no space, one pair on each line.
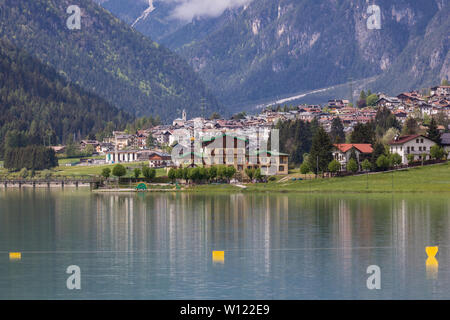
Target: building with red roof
343,151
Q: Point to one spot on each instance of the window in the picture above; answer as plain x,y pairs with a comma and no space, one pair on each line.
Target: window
421,140
412,148
417,140
424,148
420,148
281,168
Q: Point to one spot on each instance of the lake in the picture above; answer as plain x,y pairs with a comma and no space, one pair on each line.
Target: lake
276,246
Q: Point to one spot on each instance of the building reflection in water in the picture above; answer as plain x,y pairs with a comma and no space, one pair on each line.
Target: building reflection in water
322,238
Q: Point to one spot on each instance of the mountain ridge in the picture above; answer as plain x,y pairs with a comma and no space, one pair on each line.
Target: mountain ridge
107,57
276,48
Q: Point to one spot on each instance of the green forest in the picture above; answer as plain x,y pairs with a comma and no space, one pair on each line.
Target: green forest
107,57
39,107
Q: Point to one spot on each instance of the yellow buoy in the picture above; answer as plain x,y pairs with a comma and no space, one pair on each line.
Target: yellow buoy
431,251
15,256
432,265
218,256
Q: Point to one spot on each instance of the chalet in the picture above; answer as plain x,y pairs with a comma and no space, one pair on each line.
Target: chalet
440,91
85,143
159,160
410,97
388,102
342,152
417,145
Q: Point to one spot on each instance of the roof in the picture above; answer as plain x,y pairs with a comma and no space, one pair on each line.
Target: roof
404,139
208,139
272,153
445,139
361,147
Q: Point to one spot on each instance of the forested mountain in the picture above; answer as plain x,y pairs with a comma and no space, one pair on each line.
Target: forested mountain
38,106
106,56
276,48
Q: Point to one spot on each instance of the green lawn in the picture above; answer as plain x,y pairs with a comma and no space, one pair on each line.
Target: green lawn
435,178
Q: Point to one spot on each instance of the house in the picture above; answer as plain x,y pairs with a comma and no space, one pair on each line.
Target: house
440,91
342,152
417,145
410,98
59,149
389,102
85,143
122,141
445,142
159,160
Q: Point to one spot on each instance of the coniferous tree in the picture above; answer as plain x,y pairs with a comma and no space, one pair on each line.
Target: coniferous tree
337,133
433,132
320,154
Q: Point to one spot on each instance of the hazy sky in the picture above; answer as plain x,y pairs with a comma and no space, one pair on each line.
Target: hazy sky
188,9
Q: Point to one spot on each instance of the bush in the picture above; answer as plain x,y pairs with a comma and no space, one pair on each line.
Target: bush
352,166
148,173
119,171
366,165
383,162
334,166
395,159
106,173
304,168
437,152
250,172
172,174
137,172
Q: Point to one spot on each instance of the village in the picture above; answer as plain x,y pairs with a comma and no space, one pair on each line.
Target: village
240,137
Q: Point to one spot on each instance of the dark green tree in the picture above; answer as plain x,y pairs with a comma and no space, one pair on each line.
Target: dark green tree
433,132
320,154
337,133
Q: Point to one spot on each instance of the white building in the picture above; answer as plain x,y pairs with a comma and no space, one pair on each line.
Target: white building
121,156
417,145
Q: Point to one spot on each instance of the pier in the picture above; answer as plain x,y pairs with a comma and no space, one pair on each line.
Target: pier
92,183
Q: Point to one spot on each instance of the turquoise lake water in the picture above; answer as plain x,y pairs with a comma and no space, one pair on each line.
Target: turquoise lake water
276,246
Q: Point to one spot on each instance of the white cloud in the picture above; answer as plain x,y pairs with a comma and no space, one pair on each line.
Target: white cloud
190,9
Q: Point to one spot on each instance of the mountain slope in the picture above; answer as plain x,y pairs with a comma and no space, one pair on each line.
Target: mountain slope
275,48
105,56
38,102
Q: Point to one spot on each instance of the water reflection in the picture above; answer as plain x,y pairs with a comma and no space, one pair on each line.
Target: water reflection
276,245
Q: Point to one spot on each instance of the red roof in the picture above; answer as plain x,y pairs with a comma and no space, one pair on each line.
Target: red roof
362,147
403,139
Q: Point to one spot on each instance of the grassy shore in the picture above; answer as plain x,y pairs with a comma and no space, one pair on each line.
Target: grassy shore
434,178
63,171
